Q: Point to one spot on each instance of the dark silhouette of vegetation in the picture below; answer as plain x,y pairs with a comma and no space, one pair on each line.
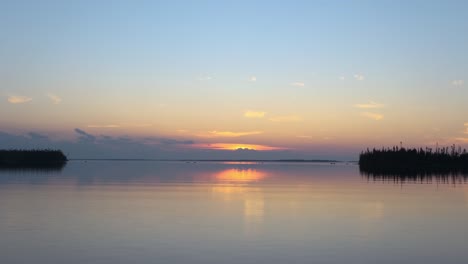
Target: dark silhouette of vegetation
413,162
39,158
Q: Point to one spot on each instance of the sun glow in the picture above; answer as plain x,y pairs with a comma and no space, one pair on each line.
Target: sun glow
231,146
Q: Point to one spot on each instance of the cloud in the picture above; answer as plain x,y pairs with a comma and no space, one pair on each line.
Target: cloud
204,78
215,133
358,77
308,137
119,125
54,98
170,141
462,140
289,118
341,78
466,128
37,136
238,146
374,116
135,125
369,105
254,114
83,136
18,99
298,84
103,126
252,79
109,147
458,82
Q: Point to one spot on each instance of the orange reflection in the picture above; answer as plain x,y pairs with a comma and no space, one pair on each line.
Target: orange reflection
240,175
229,189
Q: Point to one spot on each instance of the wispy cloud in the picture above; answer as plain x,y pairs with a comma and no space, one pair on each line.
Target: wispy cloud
204,78
298,84
307,137
341,78
254,114
359,77
462,140
253,78
375,116
214,133
54,98
458,82
103,126
84,136
129,125
170,141
288,118
135,125
18,99
369,105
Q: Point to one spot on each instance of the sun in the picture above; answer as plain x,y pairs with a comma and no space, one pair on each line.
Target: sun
233,146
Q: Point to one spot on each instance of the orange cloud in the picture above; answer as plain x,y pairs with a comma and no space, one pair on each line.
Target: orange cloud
254,114
462,140
374,116
17,99
231,146
212,134
369,105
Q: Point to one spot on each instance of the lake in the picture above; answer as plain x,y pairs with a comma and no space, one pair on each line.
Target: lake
209,212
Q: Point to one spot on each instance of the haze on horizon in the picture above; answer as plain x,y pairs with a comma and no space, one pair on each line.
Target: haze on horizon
247,79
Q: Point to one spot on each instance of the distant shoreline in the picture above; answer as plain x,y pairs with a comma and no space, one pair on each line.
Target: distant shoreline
223,160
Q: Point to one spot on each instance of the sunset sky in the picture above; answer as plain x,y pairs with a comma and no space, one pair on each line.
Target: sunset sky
203,79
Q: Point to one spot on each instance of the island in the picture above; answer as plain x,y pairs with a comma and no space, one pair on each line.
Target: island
399,160
36,158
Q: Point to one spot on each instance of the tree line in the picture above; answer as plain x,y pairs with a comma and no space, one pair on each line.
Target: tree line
32,158
398,159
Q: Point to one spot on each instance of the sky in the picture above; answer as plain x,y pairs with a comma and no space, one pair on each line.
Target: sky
237,79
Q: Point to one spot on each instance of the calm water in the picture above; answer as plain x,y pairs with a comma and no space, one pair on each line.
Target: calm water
163,212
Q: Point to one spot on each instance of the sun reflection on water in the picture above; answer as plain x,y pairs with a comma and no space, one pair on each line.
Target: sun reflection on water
234,187
240,175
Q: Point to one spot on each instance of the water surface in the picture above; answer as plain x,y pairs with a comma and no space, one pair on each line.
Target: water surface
177,212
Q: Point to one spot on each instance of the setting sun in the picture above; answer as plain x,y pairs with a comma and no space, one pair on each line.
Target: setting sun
232,146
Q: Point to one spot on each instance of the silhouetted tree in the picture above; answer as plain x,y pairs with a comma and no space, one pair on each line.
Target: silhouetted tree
410,161
32,158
